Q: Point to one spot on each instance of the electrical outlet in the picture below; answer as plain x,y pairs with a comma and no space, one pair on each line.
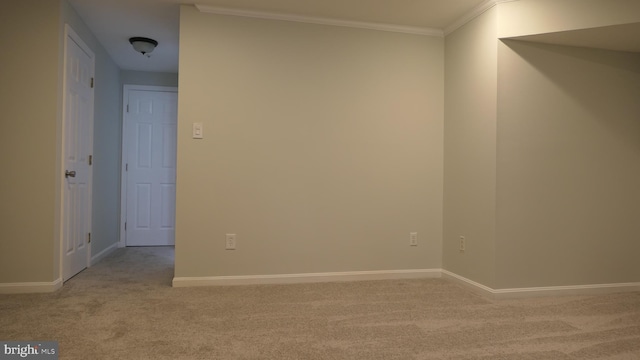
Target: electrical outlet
463,243
231,242
413,239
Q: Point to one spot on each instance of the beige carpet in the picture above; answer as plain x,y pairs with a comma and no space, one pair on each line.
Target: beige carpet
124,308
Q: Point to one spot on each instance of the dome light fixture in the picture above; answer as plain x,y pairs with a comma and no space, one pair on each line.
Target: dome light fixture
143,45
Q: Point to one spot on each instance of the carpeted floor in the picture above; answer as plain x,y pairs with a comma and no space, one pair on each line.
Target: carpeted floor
124,308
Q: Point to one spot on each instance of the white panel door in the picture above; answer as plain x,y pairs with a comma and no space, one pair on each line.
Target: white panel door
150,124
77,148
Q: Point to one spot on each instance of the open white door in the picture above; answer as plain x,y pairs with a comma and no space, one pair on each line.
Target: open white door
149,157
77,148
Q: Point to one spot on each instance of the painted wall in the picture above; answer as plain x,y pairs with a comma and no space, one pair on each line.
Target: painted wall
106,138
129,77
28,119
548,180
568,166
567,149
470,148
322,149
31,132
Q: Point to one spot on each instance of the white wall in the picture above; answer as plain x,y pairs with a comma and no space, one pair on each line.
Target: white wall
470,148
322,148
568,166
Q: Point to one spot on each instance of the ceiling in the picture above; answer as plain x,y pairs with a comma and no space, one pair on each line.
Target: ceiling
618,37
113,22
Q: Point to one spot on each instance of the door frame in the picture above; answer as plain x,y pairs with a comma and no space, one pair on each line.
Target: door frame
124,152
69,33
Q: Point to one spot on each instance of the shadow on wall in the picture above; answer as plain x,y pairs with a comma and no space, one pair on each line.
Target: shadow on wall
603,82
568,165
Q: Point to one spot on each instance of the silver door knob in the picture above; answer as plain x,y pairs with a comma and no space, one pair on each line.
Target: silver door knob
69,174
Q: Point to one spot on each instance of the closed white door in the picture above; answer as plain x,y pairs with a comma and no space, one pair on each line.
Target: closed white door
77,149
150,132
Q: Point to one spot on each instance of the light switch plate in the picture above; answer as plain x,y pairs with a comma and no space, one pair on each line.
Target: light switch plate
231,242
197,131
413,239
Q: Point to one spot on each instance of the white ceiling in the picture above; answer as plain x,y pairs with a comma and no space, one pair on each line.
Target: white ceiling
114,21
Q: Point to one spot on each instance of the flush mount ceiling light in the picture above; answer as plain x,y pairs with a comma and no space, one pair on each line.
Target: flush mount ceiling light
143,45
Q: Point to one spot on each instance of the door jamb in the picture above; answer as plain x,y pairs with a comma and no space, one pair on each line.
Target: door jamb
123,153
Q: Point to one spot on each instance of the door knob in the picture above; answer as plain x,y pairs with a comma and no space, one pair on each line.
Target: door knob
69,174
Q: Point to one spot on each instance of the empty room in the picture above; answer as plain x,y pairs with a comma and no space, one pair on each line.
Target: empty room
343,179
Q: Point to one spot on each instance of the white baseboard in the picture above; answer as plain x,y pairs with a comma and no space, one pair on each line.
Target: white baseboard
30,287
470,284
542,291
305,278
102,254
44,287
566,290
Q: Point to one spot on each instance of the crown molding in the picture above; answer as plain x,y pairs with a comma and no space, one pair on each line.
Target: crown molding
319,20
474,13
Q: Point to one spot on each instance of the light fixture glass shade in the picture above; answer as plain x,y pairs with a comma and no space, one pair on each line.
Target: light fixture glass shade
143,45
